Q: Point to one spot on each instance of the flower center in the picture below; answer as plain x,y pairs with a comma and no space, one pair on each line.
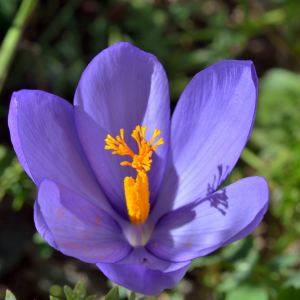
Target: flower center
136,191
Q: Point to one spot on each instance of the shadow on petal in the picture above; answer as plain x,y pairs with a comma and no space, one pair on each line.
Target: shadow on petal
204,225
218,200
183,216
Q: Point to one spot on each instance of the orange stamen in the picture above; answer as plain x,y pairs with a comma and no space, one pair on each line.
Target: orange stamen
136,191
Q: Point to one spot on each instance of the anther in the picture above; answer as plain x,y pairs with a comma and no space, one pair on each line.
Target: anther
136,191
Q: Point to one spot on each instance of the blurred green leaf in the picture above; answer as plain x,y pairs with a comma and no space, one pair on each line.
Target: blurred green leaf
208,260
289,294
277,136
238,250
53,298
249,291
293,281
9,295
113,294
228,283
132,296
283,261
78,293
91,297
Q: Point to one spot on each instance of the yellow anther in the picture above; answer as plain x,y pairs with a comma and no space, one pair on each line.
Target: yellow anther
118,145
137,197
136,191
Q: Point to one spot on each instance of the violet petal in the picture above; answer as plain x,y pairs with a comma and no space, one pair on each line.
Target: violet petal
144,273
44,137
122,87
203,226
209,129
79,228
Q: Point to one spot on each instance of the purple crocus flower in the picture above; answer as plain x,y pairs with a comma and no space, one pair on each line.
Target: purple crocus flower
140,206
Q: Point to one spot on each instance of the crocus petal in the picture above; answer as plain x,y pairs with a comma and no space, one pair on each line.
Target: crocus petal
144,273
205,225
13,125
79,228
42,227
44,137
209,129
121,88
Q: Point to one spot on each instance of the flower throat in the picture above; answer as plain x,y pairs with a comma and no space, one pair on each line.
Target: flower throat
136,191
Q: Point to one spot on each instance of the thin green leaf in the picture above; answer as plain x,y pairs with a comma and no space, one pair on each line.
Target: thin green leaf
12,37
132,296
53,298
9,295
113,294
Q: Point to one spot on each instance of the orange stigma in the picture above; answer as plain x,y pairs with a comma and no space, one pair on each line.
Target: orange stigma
136,191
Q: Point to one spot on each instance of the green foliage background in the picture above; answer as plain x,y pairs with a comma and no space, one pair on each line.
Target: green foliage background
59,39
